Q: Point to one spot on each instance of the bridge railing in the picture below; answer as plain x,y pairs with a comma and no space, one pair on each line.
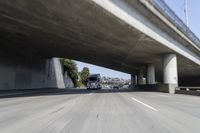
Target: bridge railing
163,8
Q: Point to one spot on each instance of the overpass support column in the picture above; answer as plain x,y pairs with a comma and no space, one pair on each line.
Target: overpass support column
133,80
140,76
150,74
170,73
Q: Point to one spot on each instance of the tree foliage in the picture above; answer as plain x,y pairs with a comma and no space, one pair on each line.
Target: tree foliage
71,67
84,75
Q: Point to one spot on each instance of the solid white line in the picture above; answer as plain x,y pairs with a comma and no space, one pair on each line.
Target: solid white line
150,107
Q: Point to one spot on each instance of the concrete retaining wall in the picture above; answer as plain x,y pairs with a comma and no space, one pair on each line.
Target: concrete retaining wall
196,93
156,87
27,72
68,81
54,74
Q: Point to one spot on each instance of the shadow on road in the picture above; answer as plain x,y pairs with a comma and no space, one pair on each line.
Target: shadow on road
48,92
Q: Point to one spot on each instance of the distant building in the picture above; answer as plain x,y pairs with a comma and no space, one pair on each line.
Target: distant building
110,80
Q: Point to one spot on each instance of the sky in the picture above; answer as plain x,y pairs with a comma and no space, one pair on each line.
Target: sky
178,7
102,70
193,12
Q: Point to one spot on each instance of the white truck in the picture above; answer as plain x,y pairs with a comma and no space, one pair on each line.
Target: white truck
94,81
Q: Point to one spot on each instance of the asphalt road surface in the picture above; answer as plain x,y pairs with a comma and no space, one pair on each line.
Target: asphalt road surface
100,112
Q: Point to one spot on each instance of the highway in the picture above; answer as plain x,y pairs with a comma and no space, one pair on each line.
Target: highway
102,111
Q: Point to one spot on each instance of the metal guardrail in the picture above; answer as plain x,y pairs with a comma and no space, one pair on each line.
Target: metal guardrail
163,8
187,88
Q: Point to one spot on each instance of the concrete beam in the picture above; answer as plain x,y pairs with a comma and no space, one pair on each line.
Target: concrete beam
134,18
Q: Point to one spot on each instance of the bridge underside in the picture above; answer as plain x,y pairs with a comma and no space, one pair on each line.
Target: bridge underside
81,30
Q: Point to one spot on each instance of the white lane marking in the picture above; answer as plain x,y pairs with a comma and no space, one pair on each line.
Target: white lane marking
150,107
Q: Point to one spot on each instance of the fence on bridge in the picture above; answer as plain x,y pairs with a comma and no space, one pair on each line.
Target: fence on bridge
163,8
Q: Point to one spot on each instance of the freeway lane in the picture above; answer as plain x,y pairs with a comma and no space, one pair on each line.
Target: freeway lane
101,111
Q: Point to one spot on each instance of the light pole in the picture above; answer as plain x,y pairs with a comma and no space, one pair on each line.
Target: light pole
186,13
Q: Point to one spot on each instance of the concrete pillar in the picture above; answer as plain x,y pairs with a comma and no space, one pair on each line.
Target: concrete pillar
133,81
140,76
150,74
170,74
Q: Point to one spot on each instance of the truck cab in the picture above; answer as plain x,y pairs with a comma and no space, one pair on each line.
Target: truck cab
94,81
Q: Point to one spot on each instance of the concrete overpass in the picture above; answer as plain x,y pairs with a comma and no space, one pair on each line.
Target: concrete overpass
132,36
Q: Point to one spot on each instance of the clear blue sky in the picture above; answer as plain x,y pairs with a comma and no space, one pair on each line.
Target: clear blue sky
178,7
103,71
193,11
